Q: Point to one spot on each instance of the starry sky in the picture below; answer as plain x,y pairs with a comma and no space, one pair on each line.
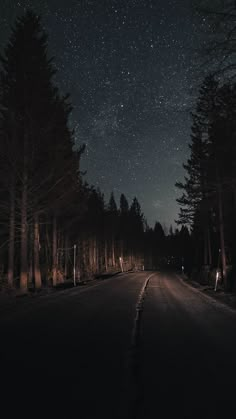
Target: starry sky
131,69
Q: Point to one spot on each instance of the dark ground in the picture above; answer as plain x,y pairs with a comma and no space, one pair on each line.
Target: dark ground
115,349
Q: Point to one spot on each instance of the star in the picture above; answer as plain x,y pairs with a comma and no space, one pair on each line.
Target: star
129,68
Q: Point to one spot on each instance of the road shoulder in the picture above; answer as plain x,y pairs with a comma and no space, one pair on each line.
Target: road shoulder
227,299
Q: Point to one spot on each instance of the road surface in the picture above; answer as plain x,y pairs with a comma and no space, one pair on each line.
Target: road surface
138,345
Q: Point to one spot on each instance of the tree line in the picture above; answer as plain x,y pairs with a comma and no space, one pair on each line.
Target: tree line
208,200
46,208
54,225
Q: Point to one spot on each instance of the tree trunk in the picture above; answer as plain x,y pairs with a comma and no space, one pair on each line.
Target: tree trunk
113,251
106,256
84,254
209,247
37,272
205,258
90,251
30,257
222,236
130,261
61,245
66,256
122,249
24,235
48,251
54,251
95,259
11,248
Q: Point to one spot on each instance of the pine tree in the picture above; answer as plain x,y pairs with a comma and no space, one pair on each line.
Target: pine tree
136,231
123,225
159,232
209,183
34,120
124,205
195,201
112,207
112,224
222,172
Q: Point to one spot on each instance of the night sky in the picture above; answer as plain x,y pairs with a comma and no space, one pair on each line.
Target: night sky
130,66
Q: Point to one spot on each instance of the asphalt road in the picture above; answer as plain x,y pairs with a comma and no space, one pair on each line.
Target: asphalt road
138,345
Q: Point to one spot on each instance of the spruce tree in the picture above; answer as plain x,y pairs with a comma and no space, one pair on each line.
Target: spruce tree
210,182
123,225
124,205
195,200
40,140
112,224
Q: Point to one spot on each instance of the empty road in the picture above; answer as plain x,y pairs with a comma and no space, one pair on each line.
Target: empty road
138,345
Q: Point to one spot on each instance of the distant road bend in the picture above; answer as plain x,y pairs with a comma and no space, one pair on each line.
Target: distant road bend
138,345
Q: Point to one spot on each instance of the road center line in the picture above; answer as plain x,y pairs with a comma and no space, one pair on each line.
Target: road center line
138,310
132,376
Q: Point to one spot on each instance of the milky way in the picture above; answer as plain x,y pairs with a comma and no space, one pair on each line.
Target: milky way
130,68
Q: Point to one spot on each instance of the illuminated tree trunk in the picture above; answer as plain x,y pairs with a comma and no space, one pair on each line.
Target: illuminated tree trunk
48,250
37,272
84,253
122,248
113,251
222,237
30,257
90,253
60,245
106,256
66,255
95,255
130,260
24,234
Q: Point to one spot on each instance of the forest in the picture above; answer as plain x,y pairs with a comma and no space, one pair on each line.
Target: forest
208,193
56,228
